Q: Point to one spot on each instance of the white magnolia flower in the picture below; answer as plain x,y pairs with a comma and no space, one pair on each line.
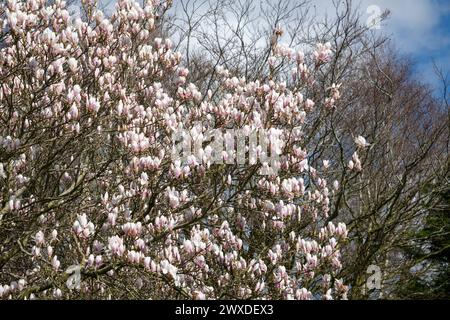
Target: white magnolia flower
361,142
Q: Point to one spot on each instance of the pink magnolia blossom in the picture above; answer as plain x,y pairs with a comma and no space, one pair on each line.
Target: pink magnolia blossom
323,53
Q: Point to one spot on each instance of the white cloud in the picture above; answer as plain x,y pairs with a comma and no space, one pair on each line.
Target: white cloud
414,27
411,22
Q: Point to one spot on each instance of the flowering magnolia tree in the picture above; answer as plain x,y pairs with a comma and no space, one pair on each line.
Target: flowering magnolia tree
93,203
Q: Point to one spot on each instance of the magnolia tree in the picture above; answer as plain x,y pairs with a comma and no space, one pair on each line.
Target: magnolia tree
97,202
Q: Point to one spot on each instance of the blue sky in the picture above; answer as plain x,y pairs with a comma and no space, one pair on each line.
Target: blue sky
419,29
439,44
425,37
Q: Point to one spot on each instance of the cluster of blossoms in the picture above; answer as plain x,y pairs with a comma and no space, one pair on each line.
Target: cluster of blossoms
323,53
87,112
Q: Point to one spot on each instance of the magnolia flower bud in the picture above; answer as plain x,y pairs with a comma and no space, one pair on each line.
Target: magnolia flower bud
39,238
188,247
73,111
351,165
55,263
90,260
57,293
50,251
147,263
73,64
336,185
93,104
198,295
361,142
309,104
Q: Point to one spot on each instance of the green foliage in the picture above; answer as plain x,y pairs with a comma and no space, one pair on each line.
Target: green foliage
432,252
